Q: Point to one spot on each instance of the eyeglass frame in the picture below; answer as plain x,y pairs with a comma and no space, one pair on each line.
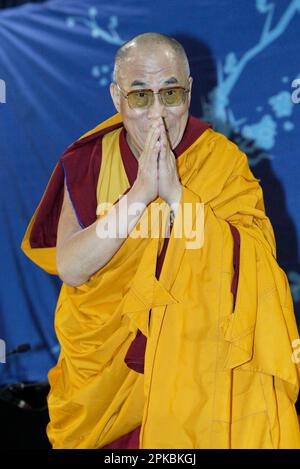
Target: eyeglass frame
186,90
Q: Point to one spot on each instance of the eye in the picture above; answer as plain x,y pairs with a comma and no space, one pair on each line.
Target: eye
141,94
170,92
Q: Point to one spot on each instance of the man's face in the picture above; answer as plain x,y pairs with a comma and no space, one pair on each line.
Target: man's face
153,70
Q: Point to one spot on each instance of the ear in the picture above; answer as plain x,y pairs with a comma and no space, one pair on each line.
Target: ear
190,86
115,95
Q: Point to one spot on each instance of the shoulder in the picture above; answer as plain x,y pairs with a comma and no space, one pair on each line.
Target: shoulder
217,151
213,161
86,151
219,143
81,148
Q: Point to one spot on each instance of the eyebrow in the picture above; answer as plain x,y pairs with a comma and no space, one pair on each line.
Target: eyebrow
169,81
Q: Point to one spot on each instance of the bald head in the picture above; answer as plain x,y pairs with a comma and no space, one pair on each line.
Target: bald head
148,43
151,61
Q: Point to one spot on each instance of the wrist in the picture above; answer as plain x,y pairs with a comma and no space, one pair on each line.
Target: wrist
175,197
138,194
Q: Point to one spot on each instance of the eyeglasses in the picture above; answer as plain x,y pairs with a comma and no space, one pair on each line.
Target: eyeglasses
142,99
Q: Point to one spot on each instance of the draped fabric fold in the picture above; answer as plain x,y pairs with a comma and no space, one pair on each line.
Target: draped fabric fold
218,368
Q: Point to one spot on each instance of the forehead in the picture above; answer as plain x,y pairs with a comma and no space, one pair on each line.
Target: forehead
145,68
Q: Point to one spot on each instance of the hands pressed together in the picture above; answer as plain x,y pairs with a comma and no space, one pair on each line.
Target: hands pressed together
157,172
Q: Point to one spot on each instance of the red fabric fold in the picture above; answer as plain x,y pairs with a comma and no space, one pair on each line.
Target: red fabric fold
236,261
128,441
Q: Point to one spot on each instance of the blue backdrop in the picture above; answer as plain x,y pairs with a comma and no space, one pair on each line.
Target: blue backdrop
56,62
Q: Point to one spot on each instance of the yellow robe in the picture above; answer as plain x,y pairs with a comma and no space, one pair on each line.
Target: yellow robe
217,375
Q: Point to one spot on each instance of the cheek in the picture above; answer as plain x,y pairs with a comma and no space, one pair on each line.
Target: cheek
177,119
177,122
179,112
136,125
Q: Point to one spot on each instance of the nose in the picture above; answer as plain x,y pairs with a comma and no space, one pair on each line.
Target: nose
157,109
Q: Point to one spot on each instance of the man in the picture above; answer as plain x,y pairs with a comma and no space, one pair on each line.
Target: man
164,343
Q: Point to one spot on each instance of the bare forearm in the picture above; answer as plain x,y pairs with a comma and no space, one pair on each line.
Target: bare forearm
85,252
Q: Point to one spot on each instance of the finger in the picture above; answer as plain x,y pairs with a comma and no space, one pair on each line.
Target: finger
168,158
152,137
166,143
166,131
154,145
151,154
163,144
150,144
